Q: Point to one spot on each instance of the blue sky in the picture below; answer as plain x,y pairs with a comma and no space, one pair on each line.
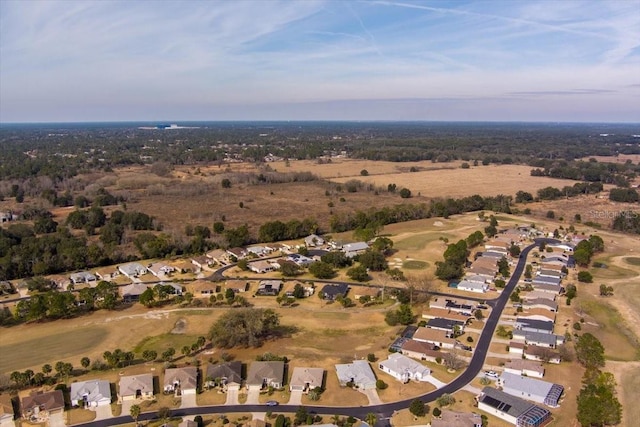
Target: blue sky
320,60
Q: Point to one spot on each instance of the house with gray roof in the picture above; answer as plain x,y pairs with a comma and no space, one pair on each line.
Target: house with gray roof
181,380
404,369
358,373
545,280
540,339
353,249
91,393
132,269
82,277
447,325
313,240
132,292
533,389
547,287
533,325
547,304
229,374
265,374
512,409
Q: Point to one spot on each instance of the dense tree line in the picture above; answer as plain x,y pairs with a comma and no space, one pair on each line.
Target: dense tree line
407,212
627,221
552,193
274,231
627,195
619,174
246,327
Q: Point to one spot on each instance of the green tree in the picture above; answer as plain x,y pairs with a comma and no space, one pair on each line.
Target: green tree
371,419
585,277
147,298
322,270
373,260
405,193
85,362
358,273
417,408
598,406
135,411
589,351
606,291
246,327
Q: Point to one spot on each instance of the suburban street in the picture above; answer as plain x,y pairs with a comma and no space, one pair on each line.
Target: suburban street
382,411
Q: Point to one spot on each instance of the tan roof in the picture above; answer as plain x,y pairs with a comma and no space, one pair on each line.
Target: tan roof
436,335
6,408
130,384
520,364
514,344
456,419
47,401
421,347
303,376
256,423
186,376
539,312
443,313
361,291
200,285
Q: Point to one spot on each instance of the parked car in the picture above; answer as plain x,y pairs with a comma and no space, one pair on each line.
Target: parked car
491,374
271,403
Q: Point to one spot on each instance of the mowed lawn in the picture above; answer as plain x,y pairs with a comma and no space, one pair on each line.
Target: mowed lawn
50,348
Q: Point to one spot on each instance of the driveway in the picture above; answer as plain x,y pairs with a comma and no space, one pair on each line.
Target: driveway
103,412
296,398
126,406
232,396
188,401
253,396
372,395
57,420
436,382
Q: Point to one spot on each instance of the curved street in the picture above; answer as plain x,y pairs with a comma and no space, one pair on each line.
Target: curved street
386,410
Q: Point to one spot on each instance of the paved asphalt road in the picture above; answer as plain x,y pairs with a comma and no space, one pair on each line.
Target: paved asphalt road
384,411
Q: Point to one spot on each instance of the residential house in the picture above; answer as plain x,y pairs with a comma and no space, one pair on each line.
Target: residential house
265,374
91,393
494,254
536,390
263,266
107,273
236,286
476,287
447,325
532,325
434,313
313,240
236,254
358,373
256,422
550,273
306,379
456,419
218,256
365,291
170,288
82,277
541,354
538,314
331,291
133,387
269,287
39,405
181,381
546,280
538,338
548,288
160,269
132,269
540,303
299,260
6,411
259,251
420,350
459,305
479,278
201,262
202,288
516,347
352,250
434,336
229,375
289,287
188,423
183,266
512,409
404,369
487,271
132,292
530,368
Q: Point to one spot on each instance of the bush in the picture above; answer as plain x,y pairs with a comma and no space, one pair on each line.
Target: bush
469,339
371,357
405,193
585,277
417,408
551,214
381,385
437,412
577,326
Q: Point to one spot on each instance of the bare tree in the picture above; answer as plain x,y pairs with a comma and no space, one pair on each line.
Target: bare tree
420,287
452,361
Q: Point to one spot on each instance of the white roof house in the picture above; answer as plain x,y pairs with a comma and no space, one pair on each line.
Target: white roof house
358,372
91,393
313,240
531,389
478,287
353,249
530,368
404,369
82,277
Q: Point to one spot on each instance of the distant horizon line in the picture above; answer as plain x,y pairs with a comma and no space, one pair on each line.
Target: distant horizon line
164,122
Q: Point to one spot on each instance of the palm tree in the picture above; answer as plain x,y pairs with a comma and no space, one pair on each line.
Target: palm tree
371,418
135,413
